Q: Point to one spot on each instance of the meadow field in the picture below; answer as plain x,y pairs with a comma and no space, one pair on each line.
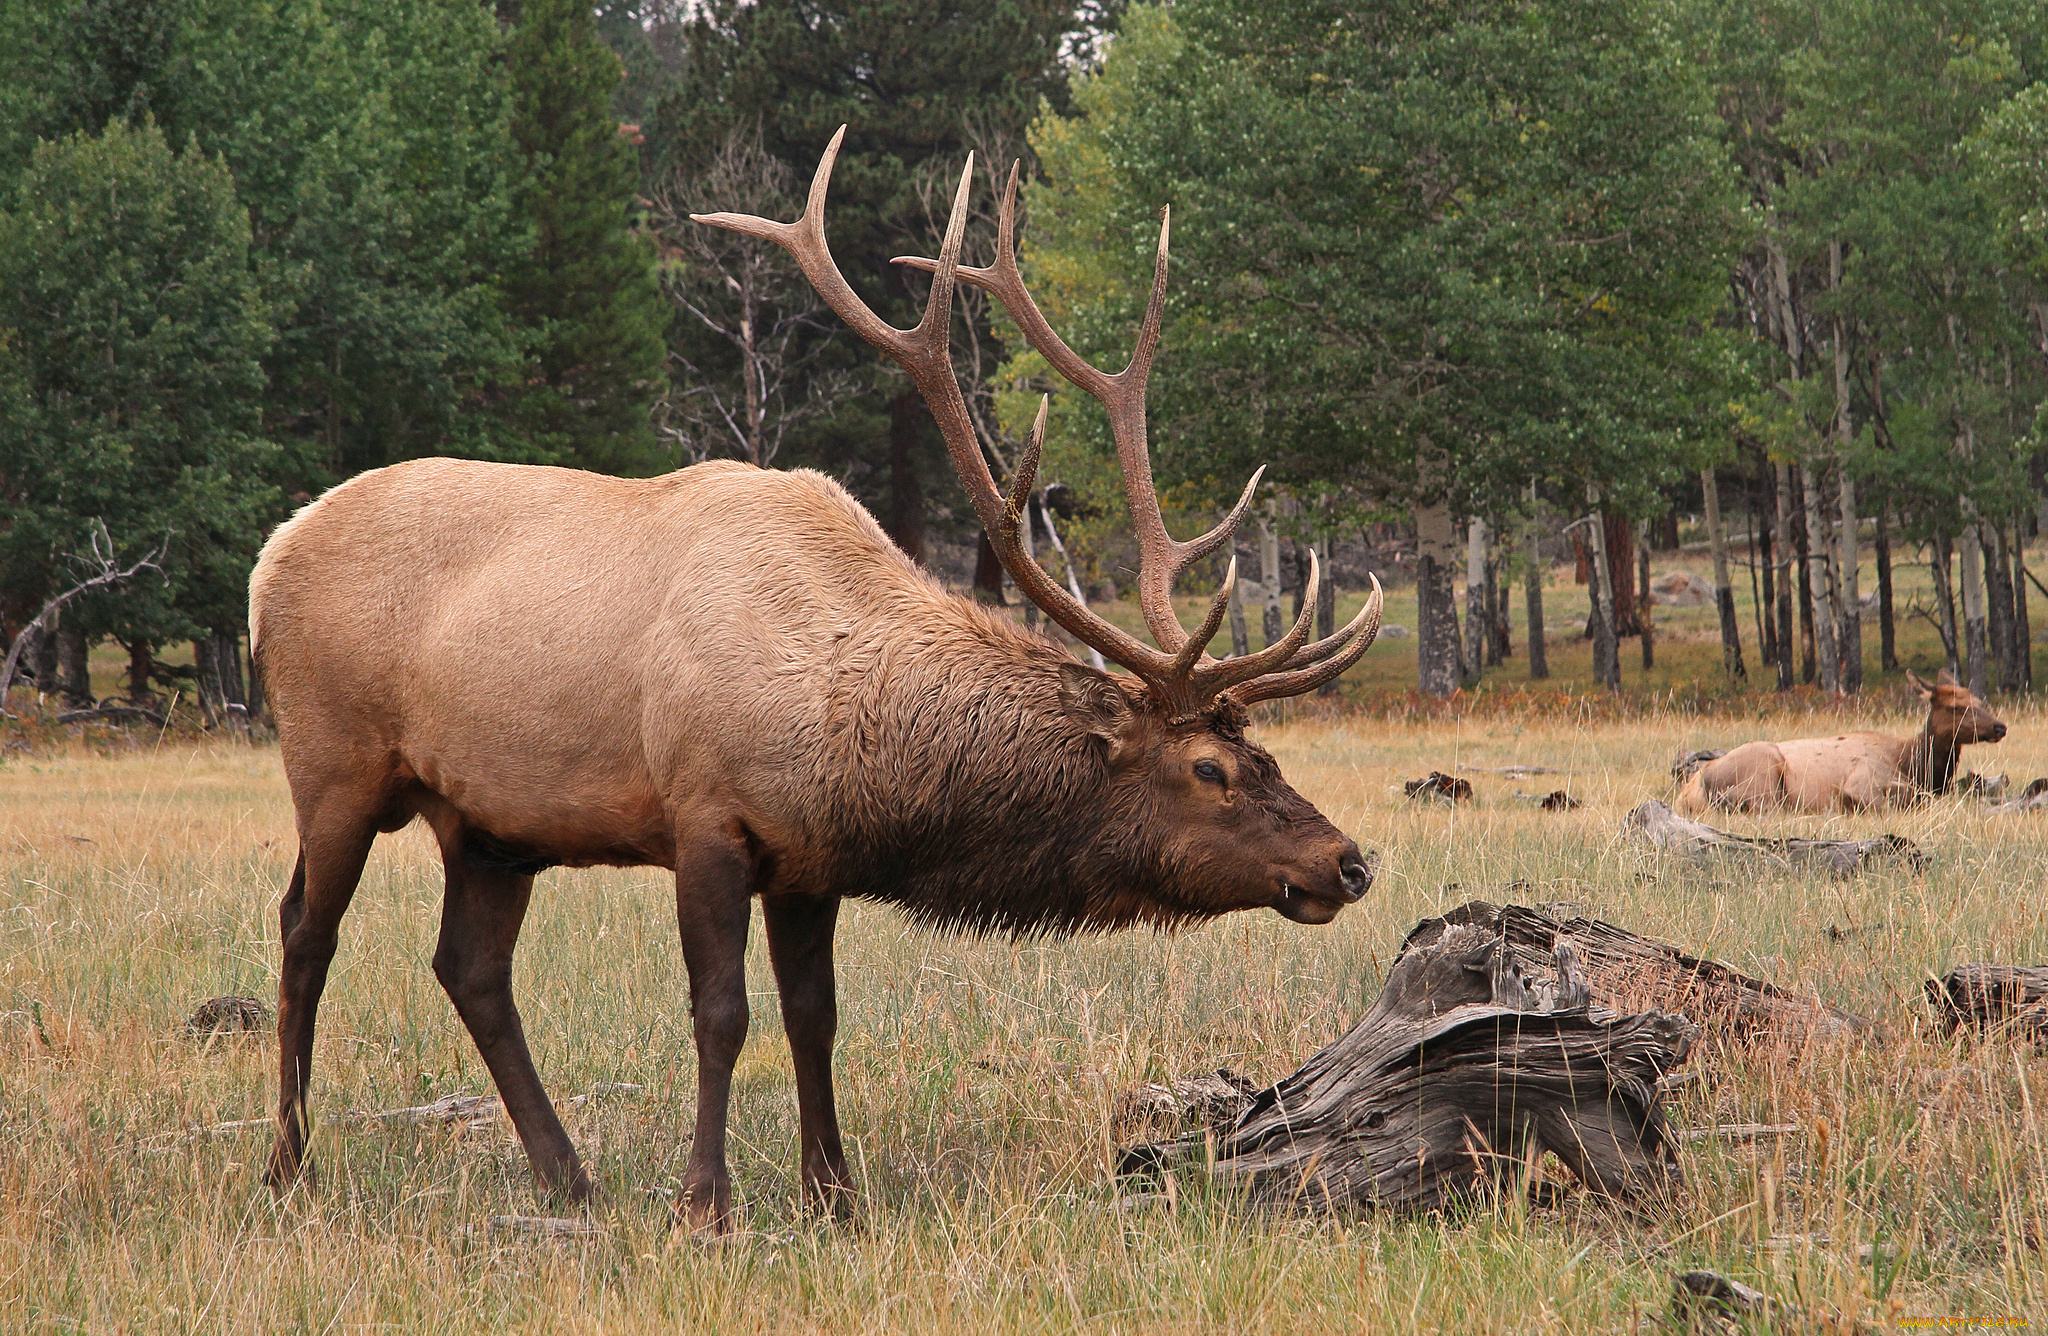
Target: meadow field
979,1080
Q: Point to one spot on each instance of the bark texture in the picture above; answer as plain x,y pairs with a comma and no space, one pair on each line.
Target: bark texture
1468,1066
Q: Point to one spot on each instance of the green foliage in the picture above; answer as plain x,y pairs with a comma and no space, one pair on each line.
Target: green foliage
1501,230
131,333
585,289
369,141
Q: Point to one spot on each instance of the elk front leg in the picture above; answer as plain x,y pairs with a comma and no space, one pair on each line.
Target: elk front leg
713,876
480,921
800,946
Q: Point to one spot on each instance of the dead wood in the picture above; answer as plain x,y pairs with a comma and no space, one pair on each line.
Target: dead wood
1439,786
111,712
1628,972
1557,800
1512,770
1214,1100
1467,1067
1988,787
1997,999
227,1015
2033,798
1843,858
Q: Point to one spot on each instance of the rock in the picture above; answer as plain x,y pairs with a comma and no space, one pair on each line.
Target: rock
1396,631
1681,589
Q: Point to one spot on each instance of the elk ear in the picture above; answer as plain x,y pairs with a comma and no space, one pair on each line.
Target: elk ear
1920,688
1945,678
1095,702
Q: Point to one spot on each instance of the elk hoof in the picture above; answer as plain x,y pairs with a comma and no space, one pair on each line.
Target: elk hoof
705,1210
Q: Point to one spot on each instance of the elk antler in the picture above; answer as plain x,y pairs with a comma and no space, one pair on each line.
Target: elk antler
1178,672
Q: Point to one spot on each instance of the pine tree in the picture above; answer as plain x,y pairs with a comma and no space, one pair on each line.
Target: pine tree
586,292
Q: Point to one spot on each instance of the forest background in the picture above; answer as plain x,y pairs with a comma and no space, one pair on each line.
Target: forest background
1484,285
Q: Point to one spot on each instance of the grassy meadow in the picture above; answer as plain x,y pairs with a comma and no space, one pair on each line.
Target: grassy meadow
979,1081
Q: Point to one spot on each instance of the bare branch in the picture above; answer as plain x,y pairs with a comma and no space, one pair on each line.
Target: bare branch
104,572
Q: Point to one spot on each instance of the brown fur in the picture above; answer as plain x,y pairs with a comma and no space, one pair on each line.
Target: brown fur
1853,771
731,673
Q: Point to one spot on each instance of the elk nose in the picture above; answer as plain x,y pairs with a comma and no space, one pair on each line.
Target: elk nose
1353,876
1997,732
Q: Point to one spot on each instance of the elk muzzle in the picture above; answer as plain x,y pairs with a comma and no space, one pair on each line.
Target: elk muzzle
1348,878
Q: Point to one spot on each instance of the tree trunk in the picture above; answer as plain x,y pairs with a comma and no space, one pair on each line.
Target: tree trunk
1621,574
1781,562
255,681
1476,632
1438,657
1848,609
1764,570
73,669
2022,623
1271,624
1606,642
1644,604
1724,588
1503,620
906,493
141,658
1998,606
988,572
44,664
218,660
1326,603
1030,536
1975,637
1240,638
1945,598
1539,660
1887,633
1820,607
1758,604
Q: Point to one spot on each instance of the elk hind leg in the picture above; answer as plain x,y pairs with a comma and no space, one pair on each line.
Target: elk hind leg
714,875
800,947
333,845
480,920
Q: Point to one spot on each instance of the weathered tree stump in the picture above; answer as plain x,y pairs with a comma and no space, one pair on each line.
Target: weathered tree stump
2010,999
1844,858
1467,1067
1628,972
1439,787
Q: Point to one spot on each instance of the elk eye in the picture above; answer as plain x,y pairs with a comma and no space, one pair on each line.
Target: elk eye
1210,771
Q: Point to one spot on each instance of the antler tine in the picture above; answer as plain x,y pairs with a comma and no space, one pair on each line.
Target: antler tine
1006,537
1328,645
1161,559
1216,676
1301,681
1184,662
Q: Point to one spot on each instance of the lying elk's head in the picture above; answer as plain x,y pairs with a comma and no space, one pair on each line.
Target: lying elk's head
1219,828
1954,712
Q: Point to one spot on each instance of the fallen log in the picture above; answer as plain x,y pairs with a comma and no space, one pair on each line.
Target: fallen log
110,712
2007,999
2033,798
1844,858
1467,1068
1439,786
1628,972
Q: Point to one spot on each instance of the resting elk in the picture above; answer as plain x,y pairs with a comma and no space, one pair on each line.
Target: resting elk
733,673
1853,771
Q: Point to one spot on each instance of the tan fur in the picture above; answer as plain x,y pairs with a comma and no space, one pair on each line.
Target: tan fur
1850,772
732,673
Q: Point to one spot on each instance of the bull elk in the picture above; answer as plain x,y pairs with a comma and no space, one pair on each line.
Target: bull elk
1852,771
733,673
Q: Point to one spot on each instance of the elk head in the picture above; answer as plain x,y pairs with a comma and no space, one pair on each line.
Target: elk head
1173,738
1954,711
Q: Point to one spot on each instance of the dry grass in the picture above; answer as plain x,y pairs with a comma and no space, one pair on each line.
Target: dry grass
977,1081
